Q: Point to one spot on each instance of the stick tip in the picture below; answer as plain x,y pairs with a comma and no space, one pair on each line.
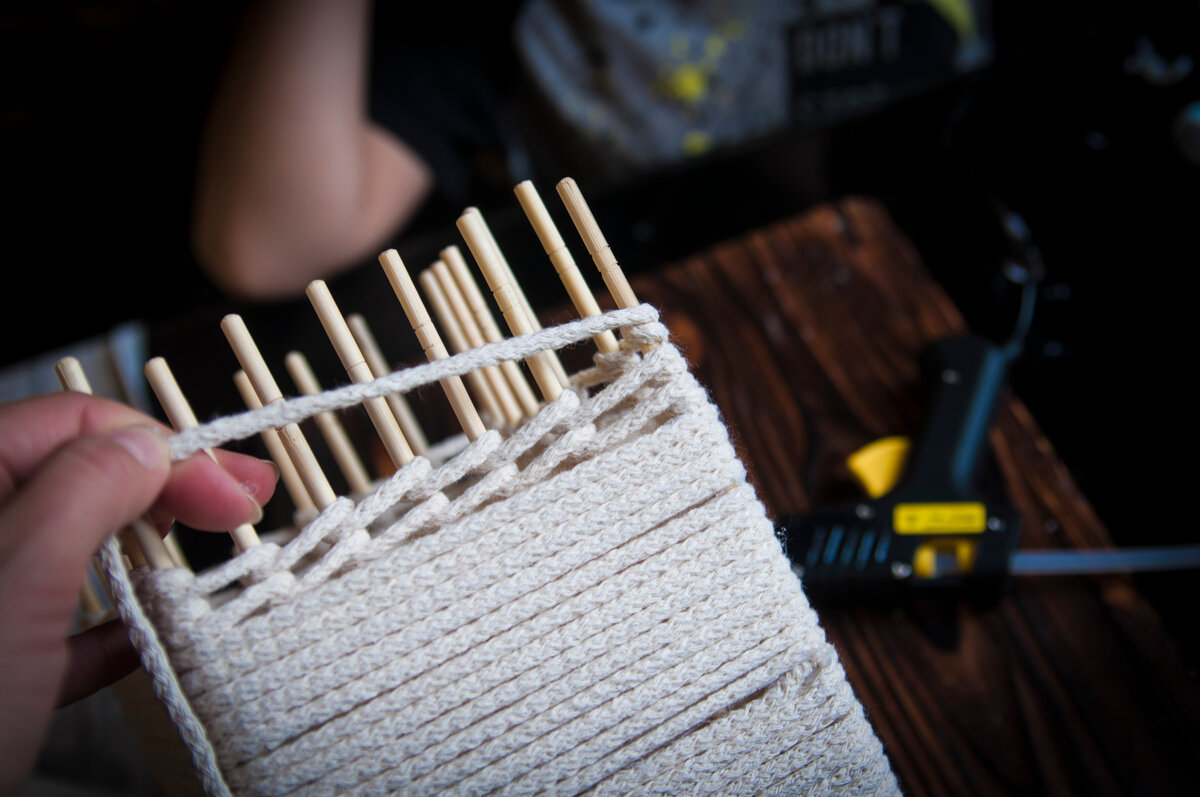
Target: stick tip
232,320
155,367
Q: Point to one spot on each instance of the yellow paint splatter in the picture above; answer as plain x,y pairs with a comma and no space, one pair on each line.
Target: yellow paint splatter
714,47
733,29
688,83
696,142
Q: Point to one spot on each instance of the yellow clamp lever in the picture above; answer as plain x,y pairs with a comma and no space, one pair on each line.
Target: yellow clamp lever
878,466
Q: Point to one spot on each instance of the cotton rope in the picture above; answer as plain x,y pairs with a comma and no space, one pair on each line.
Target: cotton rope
593,603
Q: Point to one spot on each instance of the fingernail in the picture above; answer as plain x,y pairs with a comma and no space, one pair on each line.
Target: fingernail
257,515
145,444
274,467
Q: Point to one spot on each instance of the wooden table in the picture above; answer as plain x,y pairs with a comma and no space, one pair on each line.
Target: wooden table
807,334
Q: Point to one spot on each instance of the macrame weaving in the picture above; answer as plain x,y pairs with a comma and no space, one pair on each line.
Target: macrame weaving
593,603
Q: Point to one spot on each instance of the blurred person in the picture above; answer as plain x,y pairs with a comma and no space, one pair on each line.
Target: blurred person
337,121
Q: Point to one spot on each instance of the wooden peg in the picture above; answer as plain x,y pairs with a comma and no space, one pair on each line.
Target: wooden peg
469,290
267,390
458,342
430,342
278,452
331,428
564,264
473,233
459,309
357,369
518,293
90,605
379,367
180,414
141,540
596,245
176,552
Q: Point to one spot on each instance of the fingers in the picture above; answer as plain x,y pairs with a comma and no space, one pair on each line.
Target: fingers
198,492
258,477
65,506
97,658
79,495
217,496
32,429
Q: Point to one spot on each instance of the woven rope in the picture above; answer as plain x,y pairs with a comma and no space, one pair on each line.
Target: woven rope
595,602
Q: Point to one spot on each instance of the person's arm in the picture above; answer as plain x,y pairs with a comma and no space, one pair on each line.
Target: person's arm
74,469
294,181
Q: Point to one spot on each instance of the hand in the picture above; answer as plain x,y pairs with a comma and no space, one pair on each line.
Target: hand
73,470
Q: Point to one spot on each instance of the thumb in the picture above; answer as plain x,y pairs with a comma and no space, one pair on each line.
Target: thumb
84,491
49,527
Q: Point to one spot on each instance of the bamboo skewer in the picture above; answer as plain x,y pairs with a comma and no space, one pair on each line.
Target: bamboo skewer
180,414
331,428
518,293
140,540
278,452
90,604
470,291
472,231
560,257
474,337
597,246
458,342
430,342
175,551
357,369
268,393
379,367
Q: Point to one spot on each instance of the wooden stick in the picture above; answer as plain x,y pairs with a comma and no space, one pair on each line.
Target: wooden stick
379,367
176,552
430,342
331,428
179,412
596,245
458,342
356,367
274,442
90,604
145,540
564,264
551,356
469,289
459,309
472,232
102,579
267,390
71,377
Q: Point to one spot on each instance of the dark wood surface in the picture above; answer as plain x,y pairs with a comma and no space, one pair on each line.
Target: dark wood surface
807,334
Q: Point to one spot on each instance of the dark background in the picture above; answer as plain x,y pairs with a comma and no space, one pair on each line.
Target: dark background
101,106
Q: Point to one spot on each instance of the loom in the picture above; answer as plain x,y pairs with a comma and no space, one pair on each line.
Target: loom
579,594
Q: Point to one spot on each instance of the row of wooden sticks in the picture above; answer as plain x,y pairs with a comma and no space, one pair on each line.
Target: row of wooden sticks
462,312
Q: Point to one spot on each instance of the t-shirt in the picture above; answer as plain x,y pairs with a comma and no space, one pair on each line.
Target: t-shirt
647,83
622,87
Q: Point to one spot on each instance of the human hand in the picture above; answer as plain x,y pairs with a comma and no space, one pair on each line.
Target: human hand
74,469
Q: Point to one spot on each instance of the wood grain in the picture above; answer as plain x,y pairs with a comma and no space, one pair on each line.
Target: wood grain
807,335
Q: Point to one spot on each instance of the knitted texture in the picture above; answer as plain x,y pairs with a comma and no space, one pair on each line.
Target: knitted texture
594,602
